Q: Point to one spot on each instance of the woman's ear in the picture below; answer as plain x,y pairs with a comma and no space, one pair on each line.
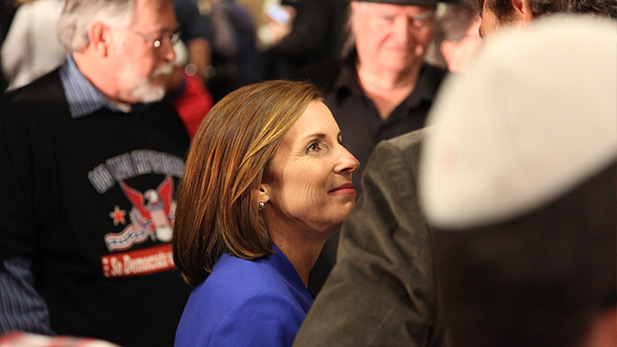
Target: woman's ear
263,193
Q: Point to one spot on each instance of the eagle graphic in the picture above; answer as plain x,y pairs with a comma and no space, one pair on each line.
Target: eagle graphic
153,206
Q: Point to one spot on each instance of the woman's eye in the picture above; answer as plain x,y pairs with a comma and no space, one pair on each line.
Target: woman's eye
314,147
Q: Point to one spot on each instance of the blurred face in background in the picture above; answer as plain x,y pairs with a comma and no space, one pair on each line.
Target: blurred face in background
392,37
309,185
459,54
143,68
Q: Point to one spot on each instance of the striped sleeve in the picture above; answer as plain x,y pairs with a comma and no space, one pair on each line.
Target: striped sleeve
21,307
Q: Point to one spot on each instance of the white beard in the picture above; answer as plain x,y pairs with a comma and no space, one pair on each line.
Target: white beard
144,90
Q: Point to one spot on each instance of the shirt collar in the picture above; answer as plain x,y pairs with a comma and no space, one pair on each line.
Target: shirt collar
82,96
347,83
427,86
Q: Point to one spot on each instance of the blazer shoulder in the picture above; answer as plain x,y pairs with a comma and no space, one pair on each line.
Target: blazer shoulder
406,141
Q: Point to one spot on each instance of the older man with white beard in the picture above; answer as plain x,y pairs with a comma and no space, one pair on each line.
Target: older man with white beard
79,250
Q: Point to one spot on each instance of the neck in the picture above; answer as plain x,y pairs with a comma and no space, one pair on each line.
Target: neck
378,78
300,248
101,80
387,89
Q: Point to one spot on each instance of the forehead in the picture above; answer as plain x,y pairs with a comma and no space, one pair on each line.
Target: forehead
377,8
154,15
316,119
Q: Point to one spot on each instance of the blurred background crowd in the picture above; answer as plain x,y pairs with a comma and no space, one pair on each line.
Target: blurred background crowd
227,43
91,94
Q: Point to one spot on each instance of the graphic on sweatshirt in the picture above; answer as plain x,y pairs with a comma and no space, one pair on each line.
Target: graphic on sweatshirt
151,217
151,214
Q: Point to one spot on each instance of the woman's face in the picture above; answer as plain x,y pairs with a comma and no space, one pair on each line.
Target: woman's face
310,184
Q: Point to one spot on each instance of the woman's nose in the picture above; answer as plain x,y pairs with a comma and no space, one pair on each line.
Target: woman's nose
347,162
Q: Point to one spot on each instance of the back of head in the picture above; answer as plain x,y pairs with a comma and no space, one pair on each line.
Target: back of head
452,24
217,204
503,8
453,21
519,181
78,15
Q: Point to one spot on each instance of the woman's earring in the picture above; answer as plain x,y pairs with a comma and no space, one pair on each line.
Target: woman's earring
261,206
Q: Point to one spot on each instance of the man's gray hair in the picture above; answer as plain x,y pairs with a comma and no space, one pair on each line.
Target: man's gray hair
348,48
78,15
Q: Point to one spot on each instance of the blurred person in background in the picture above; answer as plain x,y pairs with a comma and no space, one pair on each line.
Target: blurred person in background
383,88
31,47
21,339
91,160
518,181
382,289
7,12
267,181
235,61
194,32
311,33
189,96
500,13
255,8
457,36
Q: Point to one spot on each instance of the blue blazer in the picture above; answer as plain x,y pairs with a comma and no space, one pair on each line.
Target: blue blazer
259,302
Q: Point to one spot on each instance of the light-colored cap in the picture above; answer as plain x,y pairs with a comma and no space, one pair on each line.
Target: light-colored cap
533,118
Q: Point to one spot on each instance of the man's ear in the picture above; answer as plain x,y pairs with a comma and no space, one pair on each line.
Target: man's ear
447,49
98,34
602,330
354,6
522,12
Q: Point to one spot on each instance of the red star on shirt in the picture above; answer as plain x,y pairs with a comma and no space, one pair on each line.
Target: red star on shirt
118,215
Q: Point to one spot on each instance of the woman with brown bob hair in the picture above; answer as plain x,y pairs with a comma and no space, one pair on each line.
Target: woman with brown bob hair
267,181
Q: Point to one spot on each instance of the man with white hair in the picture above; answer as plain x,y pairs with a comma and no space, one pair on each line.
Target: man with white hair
80,252
383,88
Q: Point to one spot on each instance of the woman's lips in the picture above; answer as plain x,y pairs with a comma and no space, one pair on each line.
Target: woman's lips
346,188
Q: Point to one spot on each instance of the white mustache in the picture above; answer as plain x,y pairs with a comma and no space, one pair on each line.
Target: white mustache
164,70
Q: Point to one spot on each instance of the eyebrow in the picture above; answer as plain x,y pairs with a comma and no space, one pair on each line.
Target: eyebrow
320,136
164,31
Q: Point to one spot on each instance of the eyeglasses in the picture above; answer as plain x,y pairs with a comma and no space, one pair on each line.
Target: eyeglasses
157,42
